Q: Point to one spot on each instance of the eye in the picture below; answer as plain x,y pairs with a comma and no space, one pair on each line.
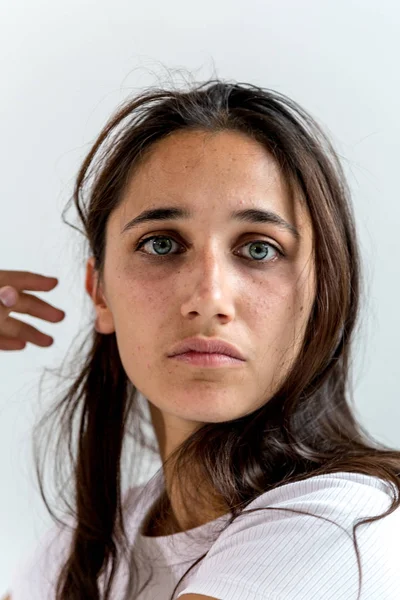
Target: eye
260,250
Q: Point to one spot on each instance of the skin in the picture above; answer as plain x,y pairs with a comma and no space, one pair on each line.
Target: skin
209,282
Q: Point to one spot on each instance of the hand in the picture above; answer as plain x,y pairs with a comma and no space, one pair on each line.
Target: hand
14,334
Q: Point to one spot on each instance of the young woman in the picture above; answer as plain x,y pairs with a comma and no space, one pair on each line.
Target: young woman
224,274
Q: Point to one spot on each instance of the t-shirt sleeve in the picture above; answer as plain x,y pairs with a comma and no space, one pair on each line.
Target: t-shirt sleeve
283,555
35,575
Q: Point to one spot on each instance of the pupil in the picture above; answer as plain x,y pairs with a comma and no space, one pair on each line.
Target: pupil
261,247
161,243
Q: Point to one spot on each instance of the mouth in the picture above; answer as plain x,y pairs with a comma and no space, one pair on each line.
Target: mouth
207,359
208,345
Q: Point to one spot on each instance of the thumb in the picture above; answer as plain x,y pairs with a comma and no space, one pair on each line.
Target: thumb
8,296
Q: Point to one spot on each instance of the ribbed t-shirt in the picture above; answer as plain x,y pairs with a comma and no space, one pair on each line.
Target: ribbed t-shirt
264,555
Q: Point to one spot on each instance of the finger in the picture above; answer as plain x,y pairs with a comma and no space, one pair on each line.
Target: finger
8,296
5,299
36,307
25,280
13,328
11,344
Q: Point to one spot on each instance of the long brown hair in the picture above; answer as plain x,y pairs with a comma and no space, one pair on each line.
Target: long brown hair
307,428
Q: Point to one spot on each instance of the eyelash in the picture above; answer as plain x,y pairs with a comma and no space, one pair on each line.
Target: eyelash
154,237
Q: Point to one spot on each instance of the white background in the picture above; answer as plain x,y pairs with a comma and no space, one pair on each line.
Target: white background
65,67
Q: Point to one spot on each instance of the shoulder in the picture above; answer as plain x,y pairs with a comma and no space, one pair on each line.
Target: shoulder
338,495
308,530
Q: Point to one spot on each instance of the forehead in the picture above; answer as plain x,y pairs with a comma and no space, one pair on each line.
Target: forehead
215,171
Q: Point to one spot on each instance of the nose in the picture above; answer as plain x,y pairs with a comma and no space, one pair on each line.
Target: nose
209,288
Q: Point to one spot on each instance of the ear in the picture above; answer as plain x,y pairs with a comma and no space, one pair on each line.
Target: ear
104,318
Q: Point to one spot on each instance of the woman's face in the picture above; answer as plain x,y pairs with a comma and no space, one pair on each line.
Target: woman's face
206,277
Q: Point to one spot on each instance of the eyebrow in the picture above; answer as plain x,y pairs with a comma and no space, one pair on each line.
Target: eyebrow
249,215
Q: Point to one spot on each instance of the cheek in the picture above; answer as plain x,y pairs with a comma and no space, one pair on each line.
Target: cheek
141,312
277,317
272,303
142,295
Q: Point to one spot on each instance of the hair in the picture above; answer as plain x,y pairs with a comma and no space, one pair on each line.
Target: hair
307,428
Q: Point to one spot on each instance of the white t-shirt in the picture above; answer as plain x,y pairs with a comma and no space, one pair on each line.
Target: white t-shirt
265,555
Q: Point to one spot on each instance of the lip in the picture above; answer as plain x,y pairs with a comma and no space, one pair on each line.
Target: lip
206,345
207,359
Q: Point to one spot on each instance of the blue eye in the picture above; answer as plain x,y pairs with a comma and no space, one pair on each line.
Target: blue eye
260,249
